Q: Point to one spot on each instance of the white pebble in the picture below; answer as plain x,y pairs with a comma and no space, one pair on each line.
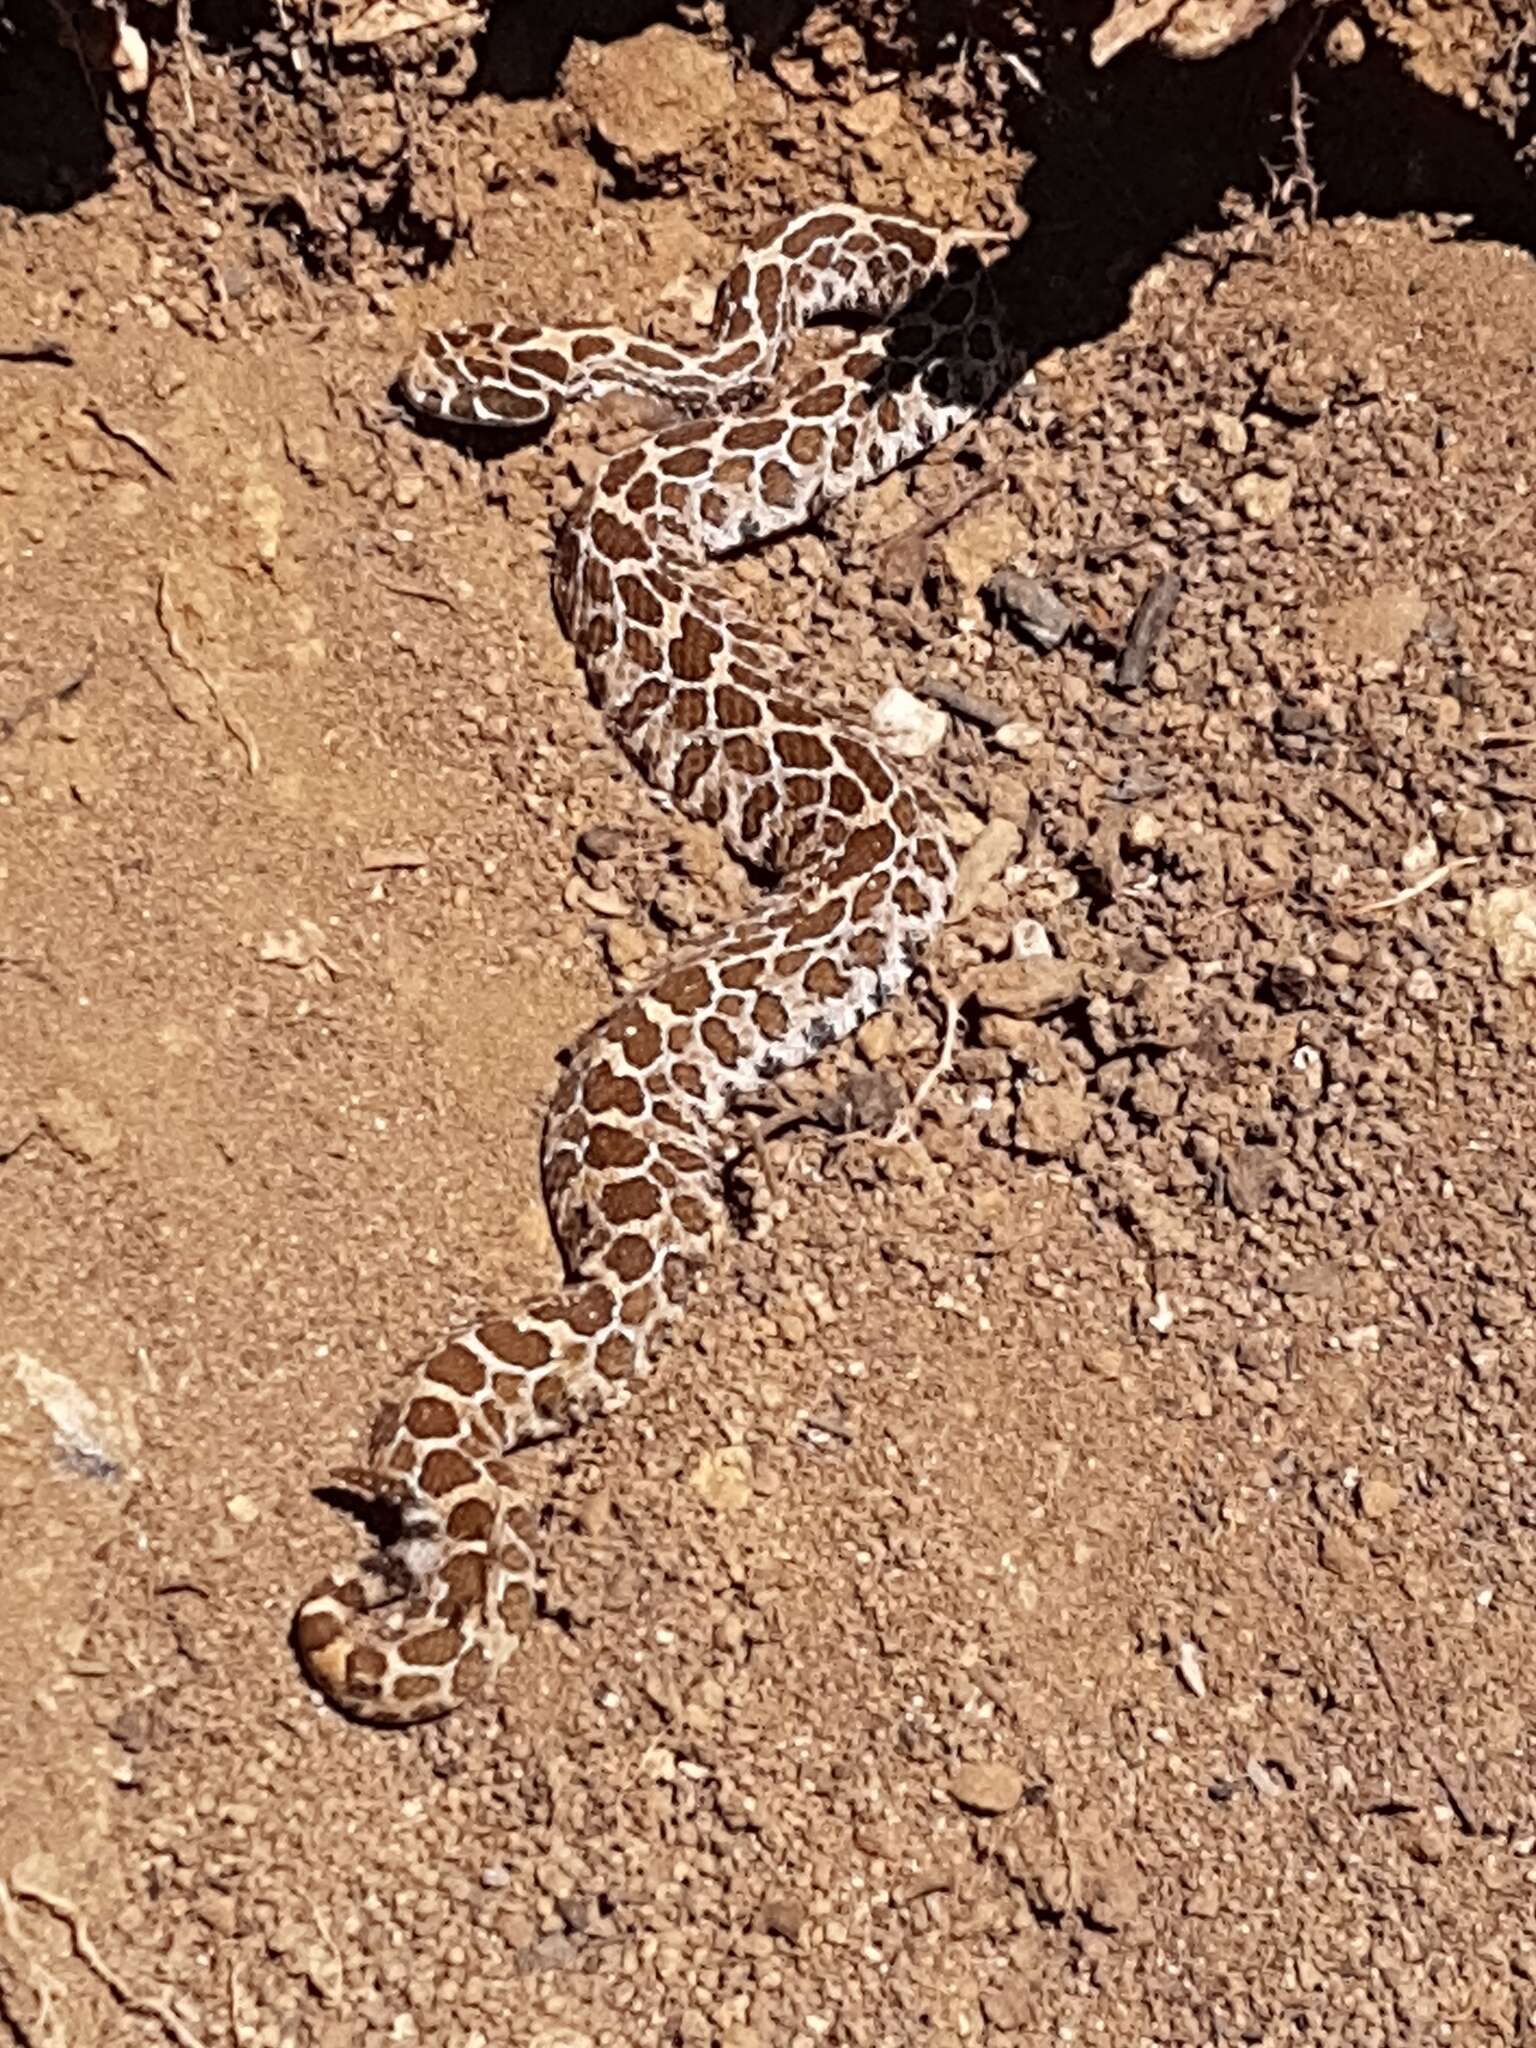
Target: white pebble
907,725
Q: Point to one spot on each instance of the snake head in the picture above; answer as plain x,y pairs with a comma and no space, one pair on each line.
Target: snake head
484,375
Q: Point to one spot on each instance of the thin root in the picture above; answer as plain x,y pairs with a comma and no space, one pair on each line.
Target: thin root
41,2030
231,720
1413,889
147,2007
904,1130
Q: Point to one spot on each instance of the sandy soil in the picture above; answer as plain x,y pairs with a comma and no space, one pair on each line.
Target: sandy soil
1073,1579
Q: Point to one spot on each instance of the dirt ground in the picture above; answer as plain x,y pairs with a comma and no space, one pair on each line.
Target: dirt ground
1073,1578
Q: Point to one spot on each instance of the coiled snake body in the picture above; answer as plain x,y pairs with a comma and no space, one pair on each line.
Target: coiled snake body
701,699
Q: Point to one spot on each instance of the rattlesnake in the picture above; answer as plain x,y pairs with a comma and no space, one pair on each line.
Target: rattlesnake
699,697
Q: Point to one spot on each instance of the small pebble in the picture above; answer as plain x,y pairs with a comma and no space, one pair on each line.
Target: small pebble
1188,1667
994,849
908,726
1263,500
1378,1497
986,1788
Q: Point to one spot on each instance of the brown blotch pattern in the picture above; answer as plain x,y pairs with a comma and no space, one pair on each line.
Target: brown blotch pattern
817,924
736,708
611,1146
693,765
754,434
457,1368
616,539
552,1397
757,810
690,710
516,1609
693,650
746,755
445,1472
802,750
606,1091
629,1258
641,495
436,1646
515,1345
624,468
616,1357
637,1306
867,848
427,1417
871,895
641,1041
770,1015
863,762
640,601
744,973
819,405
721,1040
693,1214
630,1201
471,1521
686,990
780,487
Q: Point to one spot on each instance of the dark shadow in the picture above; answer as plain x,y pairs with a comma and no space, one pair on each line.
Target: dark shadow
524,45
54,149
1133,161
1126,163
1383,145
377,1514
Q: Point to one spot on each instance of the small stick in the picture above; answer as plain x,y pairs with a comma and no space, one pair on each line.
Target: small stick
130,439
131,2001
1413,889
1509,736
1450,1784
233,721
935,522
57,695
977,709
1148,625
426,596
941,1065
42,2031
1345,802
48,349
909,548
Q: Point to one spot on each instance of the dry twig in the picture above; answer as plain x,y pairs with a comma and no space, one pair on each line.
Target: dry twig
130,438
146,2006
1147,629
40,2030
230,719
58,694
1437,874
977,709
904,557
